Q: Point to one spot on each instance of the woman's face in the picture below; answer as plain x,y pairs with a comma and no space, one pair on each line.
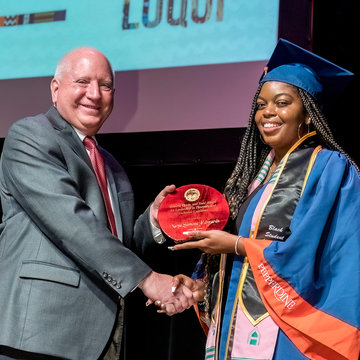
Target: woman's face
280,111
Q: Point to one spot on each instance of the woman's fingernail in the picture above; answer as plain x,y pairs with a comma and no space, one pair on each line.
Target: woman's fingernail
171,248
173,289
186,232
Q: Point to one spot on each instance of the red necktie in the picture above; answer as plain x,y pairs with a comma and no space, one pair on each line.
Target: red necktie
97,162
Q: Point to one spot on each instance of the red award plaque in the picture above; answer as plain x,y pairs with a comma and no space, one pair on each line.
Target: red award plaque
190,208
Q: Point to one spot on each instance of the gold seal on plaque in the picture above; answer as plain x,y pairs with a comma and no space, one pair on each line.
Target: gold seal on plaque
192,194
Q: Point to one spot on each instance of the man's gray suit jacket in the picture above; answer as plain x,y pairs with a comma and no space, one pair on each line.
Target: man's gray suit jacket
61,270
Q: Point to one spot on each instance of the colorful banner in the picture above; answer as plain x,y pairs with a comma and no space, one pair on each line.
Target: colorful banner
35,18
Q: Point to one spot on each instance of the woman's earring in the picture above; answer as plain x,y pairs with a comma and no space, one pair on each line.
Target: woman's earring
299,136
262,140
308,128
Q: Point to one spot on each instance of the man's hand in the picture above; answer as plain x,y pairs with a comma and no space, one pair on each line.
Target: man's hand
155,205
196,286
160,287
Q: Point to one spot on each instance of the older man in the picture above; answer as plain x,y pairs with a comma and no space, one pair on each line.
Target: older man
67,231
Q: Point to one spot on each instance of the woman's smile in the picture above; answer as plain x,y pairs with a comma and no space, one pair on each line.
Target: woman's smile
280,113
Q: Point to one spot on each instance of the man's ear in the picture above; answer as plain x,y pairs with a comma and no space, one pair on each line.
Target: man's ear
54,87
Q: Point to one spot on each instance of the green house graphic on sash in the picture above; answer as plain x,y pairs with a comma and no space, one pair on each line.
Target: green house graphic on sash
254,337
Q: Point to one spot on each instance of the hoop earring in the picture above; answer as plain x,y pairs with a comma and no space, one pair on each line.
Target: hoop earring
308,129
262,140
298,132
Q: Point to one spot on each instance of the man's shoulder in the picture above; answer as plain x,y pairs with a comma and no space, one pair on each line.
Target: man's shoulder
32,123
35,130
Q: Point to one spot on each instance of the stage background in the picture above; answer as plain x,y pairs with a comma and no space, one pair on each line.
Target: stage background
179,66
155,157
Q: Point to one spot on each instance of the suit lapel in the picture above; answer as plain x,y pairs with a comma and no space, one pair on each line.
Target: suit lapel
66,131
68,134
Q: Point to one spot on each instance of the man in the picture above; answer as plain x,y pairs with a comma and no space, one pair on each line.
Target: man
63,272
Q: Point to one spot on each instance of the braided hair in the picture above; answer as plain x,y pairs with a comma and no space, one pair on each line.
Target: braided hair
321,125
253,152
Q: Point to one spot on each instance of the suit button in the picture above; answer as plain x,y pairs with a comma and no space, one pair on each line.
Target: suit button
109,278
114,282
118,286
105,275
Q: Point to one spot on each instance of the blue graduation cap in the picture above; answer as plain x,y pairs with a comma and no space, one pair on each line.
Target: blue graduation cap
291,64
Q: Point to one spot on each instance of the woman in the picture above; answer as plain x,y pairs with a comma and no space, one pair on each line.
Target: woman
287,284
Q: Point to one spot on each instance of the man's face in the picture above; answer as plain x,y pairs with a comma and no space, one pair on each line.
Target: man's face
83,91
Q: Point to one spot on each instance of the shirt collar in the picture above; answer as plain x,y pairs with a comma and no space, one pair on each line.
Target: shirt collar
81,134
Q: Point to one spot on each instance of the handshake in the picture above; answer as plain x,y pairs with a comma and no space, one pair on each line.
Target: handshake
172,295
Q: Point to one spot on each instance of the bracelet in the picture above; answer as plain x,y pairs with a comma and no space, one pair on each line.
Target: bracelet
236,245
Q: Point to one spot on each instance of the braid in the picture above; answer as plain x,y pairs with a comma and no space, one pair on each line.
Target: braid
211,268
321,126
252,154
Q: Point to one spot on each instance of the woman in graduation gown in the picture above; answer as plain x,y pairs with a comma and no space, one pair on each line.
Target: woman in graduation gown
287,282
